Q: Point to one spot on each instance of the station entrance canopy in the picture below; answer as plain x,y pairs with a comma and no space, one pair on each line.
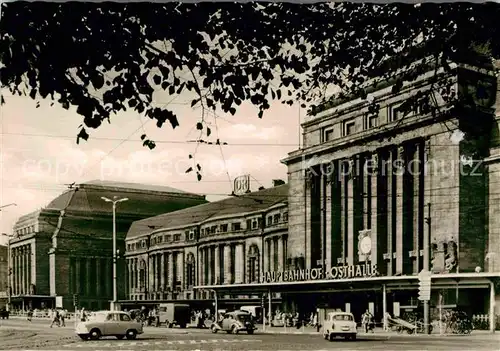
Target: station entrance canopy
373,283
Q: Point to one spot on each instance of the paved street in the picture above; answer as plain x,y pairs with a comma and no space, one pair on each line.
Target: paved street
18,335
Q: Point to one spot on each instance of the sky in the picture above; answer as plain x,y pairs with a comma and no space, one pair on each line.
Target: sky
39,155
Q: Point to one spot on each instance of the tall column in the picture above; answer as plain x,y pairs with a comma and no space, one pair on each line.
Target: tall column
99,276
390,214
23,267
14,270
171,270
211,273
201,266
366,190
227,264
162,271
150,275
328,218
397,251
265,259
180,267
30,268
217,265
155,272
377,258
269,245
90,276
350,216
281,261
78,269
417,170
129,282
238,272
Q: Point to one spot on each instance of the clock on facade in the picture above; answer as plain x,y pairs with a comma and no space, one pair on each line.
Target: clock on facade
365,245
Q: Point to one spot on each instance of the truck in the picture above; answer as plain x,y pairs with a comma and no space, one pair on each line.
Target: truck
172,314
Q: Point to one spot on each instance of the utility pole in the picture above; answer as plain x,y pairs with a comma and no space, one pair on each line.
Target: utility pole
427,236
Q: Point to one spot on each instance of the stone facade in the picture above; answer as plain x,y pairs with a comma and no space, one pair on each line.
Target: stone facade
400,177
227,242
67,247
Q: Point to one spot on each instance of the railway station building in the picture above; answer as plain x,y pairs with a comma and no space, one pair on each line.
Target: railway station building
376,195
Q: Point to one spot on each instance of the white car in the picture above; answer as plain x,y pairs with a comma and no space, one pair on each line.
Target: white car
109,323
340,324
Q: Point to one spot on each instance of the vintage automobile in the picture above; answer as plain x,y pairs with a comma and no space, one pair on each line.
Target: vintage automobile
340,324
4,314
235,322
109,323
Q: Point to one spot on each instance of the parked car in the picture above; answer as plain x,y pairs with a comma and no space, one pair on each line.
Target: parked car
235,322
340,324
4,314
109,323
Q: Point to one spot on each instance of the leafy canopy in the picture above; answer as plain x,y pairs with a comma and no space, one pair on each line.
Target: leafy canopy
105,58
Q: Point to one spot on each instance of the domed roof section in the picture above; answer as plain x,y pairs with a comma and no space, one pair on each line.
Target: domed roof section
255,201
143,200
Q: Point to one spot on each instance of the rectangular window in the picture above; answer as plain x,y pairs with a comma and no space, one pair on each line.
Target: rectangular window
254,224
394,113
276,218
269,220
285,217
223,228
259,222
236,226
249,224
349,127
177,237
371,121
327,135
191,236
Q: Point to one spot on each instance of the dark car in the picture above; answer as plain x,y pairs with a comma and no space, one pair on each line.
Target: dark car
235,322
4,314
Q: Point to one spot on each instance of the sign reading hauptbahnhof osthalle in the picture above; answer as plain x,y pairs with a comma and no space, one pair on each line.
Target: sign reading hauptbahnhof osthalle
339,272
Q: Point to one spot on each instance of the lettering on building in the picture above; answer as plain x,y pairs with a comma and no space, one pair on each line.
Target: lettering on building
339,272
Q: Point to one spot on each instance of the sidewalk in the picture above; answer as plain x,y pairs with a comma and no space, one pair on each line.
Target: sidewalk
378,333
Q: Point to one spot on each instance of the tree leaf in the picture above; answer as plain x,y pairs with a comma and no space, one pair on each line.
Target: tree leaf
190,169
208,132
82,135
198,167
143,136
198,175
190,156
199,126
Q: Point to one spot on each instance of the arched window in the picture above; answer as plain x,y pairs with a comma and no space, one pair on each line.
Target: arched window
142,275
253,266
190,270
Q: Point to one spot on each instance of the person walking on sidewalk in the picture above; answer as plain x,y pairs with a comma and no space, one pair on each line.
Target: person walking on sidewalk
30,314
62,317
367,321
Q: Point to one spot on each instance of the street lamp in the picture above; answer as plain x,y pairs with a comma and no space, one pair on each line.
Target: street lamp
114,202
12,204
9,269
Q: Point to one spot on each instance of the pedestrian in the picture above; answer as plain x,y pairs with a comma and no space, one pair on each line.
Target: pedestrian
62,317
55,318
30,314
83,316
